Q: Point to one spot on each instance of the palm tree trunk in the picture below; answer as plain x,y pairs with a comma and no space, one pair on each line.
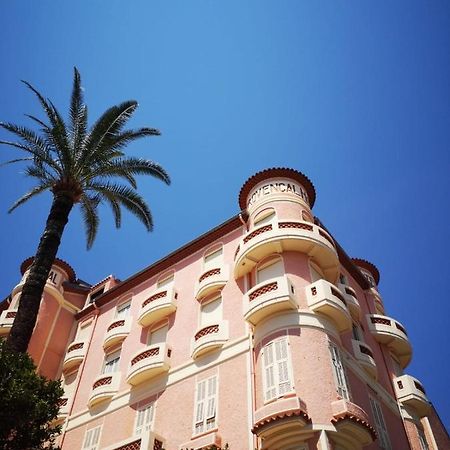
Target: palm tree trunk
32,290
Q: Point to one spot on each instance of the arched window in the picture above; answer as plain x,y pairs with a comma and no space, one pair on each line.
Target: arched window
264,217
211,312
213,258
165,280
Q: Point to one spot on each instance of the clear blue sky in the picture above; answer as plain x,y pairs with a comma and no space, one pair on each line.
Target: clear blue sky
355,94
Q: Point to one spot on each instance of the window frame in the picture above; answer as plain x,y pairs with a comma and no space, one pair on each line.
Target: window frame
123,306
380,425
277,381
267,262
209,419
110,358
147,425
263,215
206,302
87,445
339,372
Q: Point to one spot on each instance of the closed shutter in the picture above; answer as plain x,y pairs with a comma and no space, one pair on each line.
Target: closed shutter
212,260
211,403
339,373
281,353
273,270
165,282
83,332
92,439
200,406
211,312
123,310
380,424
144,419
270,390
69,384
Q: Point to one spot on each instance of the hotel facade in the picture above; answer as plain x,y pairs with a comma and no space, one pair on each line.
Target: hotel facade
260,334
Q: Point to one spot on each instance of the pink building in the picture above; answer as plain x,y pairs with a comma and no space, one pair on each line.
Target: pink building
260,334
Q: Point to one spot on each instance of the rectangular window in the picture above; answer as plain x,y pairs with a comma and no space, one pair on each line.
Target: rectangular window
158,336
205,405
422,439
273,270
380,424
340,377
83,332
165,282
276,369
357,333
212,260
112,362
96,294
123,310
92,439
211,312
144,419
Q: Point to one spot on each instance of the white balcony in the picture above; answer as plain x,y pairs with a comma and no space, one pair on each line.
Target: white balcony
209,338
211,280
325,298
410,393
149,363
64,406
389,332
351,300
75,354
117,331
146,441
364,355
6,320
104,388
158,306
304,237
268,298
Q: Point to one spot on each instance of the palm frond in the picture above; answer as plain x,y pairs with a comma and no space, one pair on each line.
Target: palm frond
128,136
35,191
12,161
78,115
90,217
129,198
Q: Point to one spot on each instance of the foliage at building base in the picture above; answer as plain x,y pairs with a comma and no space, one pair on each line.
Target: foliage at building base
29,404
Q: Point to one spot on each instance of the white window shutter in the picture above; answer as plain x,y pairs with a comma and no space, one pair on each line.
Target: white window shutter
211,312
201,388
380,424
92,439
211,409
339,372
273,270
270,390
281,353
212,260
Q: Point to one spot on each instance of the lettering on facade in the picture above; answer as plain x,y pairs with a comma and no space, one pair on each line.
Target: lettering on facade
52,277
271,188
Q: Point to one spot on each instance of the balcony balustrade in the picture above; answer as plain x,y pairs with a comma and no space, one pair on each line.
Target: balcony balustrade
145,441
6,320
158,306
211,280
364,355
64,404
325,298
104,388
117,331
209,338
75,354
268,298
149,363
304,237
410,393
351,300
389,332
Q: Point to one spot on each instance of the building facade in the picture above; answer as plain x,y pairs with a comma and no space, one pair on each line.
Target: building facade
260,334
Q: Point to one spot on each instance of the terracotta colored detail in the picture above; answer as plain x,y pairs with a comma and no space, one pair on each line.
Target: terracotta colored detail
357,420
263,290
135,445
207,330
257,232
117,323
154,297
157,445
102,382
380,320
144,355
302,226
210,273
11,315
350,291
63,402
75,347
281,416
237,251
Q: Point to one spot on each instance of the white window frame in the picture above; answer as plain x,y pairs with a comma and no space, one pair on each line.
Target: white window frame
205,405
154,330
267,262
92,438
264,217
109,358
202,321
339,373
276,385
212,254
144,419
380,424
123,310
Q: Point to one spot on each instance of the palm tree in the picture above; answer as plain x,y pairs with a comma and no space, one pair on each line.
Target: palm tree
78,165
